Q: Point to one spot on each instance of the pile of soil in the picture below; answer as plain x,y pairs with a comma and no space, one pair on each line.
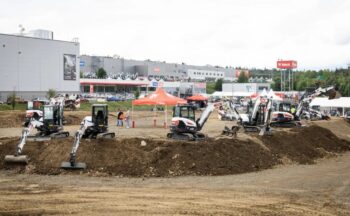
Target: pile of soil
128,157
10,119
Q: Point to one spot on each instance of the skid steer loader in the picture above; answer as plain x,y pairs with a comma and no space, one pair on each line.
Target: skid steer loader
94,126
48,126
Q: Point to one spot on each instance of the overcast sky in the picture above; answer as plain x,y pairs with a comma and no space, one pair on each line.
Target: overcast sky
243,33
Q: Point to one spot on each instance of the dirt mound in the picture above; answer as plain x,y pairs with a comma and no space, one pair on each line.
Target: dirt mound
10,119
128,157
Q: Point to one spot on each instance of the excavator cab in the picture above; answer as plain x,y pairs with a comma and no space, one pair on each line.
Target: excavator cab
100,117
185,111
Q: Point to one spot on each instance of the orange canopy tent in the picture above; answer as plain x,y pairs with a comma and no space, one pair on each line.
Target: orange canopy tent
197,97
159,97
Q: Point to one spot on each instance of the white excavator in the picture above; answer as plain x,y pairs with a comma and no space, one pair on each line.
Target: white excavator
185,126
92,127
303,108
35,109
258,120
48,126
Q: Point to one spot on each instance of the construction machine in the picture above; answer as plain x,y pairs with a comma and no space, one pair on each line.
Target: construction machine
304,110
185,126
94,126
258,120
35,110
48,126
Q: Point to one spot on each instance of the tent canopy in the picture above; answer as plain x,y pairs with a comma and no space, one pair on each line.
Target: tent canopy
159,97
273,95
197,97
325,102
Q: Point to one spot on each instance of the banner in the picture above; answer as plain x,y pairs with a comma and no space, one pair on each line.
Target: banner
69,67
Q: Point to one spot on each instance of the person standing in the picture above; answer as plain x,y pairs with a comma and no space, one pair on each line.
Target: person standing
117,114
120,117
127,118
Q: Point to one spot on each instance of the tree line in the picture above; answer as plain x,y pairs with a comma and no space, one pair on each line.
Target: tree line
340,78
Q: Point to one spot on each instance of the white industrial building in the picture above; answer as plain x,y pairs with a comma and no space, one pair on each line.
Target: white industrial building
242,89
31,66
198,74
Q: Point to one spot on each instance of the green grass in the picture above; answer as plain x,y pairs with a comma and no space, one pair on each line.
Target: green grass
114,106
4,107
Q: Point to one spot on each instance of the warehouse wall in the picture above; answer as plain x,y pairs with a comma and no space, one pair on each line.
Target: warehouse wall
35,65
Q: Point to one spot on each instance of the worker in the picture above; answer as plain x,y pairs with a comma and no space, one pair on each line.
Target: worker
293,110
120,118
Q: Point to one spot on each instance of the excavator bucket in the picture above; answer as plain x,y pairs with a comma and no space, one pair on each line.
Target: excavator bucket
333,94
73,166
13,159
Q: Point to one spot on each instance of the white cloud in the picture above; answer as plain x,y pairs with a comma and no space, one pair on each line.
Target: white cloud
218,32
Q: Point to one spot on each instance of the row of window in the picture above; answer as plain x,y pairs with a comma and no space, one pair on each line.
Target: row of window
208,74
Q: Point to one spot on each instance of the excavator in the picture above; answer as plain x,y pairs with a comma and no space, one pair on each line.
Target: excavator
35,110
185,126
283,118
48,126
258,120
304,110
94,126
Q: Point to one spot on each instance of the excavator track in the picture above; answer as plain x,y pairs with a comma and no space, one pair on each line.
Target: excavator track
61,134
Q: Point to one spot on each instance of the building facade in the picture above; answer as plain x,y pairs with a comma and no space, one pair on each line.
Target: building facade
31,66
116,66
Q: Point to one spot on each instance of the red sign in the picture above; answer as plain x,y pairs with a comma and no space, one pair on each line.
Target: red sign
286,64
156,69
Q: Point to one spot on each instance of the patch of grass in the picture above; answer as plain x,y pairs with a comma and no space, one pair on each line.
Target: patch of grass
4,107
123,105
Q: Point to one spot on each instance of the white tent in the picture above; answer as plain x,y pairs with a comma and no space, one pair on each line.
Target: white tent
323,102
263,93
273,96
231,94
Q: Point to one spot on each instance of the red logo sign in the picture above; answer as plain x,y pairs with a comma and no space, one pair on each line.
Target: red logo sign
287,64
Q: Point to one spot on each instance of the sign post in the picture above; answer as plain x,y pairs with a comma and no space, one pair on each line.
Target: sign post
287,73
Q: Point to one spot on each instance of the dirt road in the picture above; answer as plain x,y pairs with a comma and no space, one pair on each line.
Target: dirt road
319,189
322,188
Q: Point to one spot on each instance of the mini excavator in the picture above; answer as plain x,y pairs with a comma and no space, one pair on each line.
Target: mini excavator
258,120
92,127
184,125
49,125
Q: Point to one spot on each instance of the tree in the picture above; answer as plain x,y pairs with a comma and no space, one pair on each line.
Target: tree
51,93
242,78
12,99
218,85
137,93
81,74
101,73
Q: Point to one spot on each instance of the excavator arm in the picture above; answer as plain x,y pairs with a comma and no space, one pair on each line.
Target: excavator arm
204,116
17,157
72,164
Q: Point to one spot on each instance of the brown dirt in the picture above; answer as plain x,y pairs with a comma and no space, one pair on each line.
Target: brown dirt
11,119
126,157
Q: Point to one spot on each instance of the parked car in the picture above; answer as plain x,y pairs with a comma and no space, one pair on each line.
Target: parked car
347,115
114,98
334,113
